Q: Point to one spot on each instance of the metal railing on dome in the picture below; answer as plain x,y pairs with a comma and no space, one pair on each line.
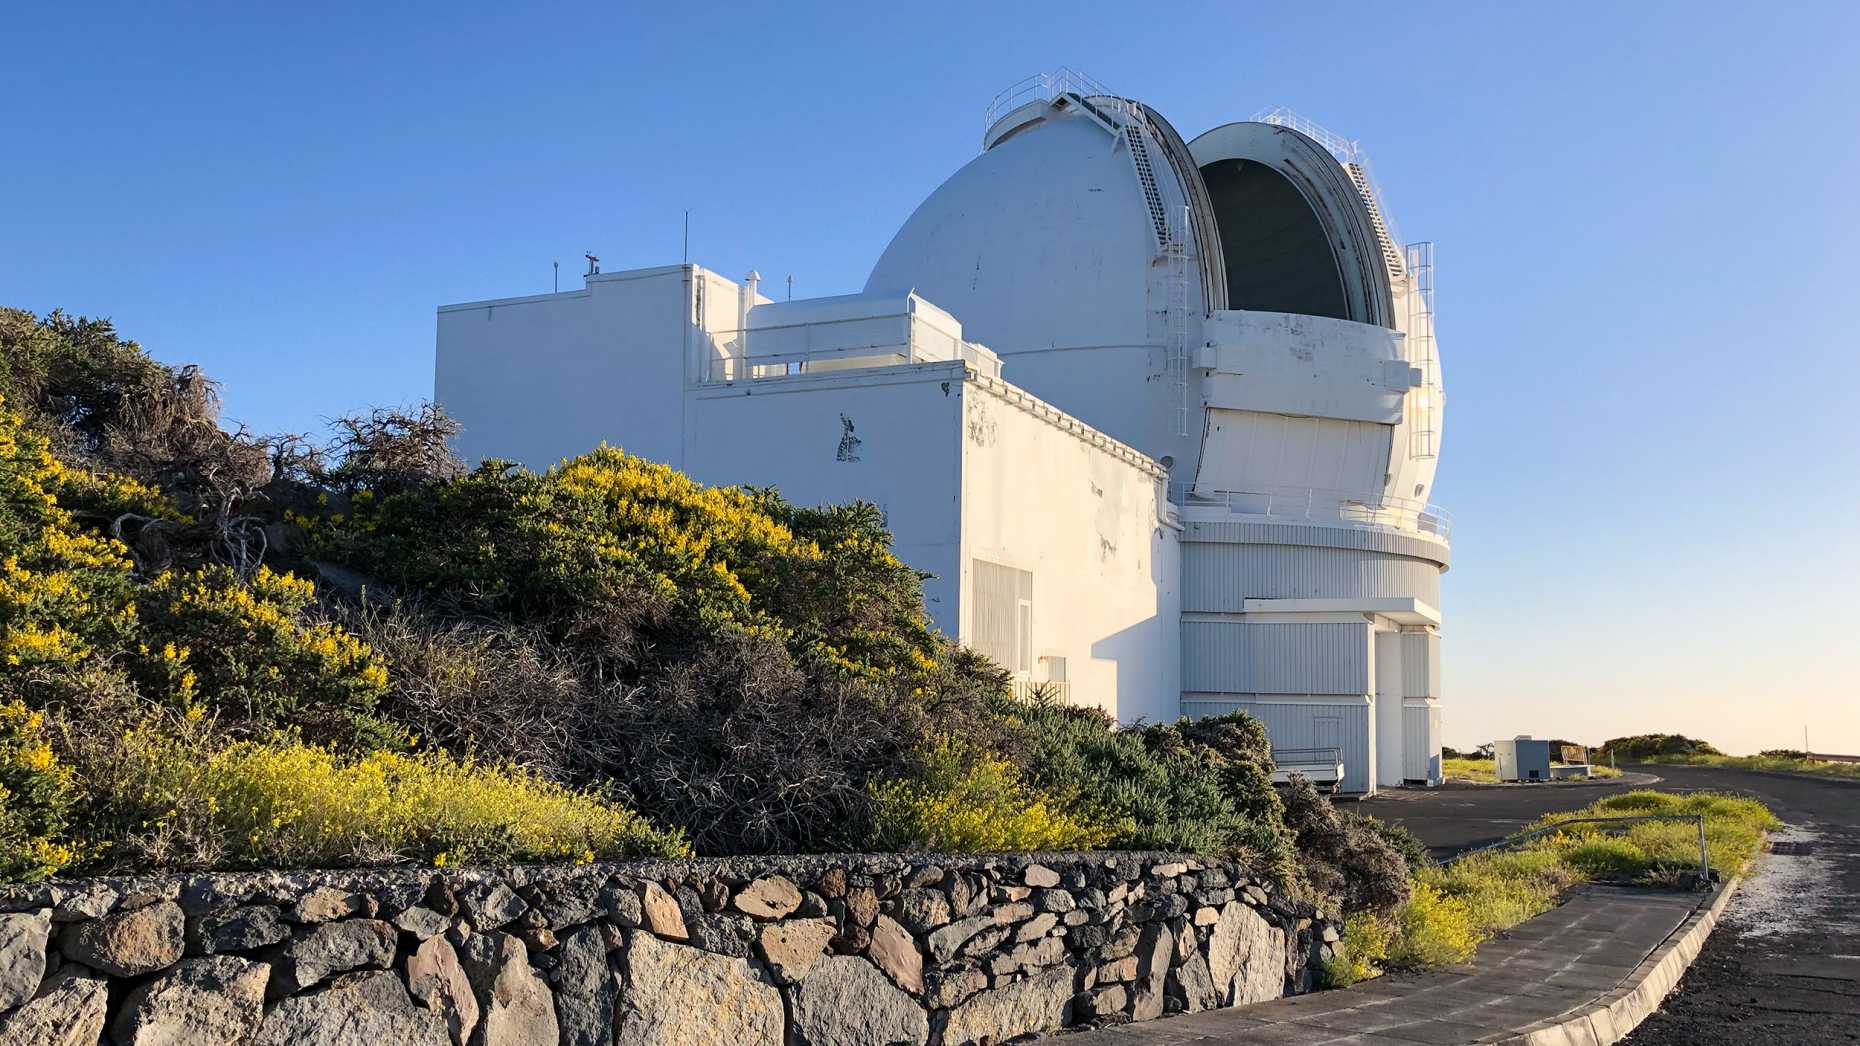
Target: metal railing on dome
1318,505
1348,151
1044,87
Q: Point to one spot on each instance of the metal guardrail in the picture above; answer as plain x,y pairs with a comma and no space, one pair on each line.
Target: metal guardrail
1321,505
1306,756
1044,87
1514,840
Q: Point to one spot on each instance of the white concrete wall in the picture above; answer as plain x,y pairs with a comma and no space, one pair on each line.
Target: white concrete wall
890,436
1085,522
537,379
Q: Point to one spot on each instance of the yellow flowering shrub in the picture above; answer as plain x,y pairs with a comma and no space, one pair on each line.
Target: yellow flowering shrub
975,802
292,805
247,649
36,798
608,531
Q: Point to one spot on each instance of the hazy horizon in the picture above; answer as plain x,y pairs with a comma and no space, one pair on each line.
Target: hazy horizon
1642,216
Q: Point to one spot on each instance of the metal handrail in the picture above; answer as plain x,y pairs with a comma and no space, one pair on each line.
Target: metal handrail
1374,509
1347,151
1044,87
1284,755
1513,840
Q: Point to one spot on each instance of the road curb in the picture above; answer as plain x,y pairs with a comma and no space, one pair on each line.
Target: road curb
1611,1017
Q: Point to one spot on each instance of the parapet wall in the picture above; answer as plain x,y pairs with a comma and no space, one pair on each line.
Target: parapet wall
818,949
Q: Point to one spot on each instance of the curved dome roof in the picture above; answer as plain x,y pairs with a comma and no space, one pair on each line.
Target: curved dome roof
1297,231
1044,240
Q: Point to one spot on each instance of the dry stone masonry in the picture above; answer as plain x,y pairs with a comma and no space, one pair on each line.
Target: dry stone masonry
863,950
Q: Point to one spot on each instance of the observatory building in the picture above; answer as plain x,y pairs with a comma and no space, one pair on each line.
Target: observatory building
1160,416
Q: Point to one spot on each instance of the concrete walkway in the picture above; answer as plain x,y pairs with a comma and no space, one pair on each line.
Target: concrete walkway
1557,963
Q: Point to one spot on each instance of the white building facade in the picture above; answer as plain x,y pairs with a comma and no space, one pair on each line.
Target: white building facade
1160,417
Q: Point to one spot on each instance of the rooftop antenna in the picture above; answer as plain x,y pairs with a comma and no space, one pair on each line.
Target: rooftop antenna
791,286
687,236
594,264
557,266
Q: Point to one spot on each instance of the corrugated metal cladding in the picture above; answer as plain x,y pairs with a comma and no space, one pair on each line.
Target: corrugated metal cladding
1217,577
1300,725
1243,657
1420,664
1420,749
1323,537
996,592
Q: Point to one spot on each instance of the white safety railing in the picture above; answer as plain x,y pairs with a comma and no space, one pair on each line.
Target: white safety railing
1044,87
1318,505
1349,153
787,350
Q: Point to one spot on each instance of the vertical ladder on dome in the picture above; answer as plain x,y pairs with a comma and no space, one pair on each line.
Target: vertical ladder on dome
1422,429
1175,251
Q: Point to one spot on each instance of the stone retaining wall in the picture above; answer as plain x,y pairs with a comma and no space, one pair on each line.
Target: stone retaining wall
840,950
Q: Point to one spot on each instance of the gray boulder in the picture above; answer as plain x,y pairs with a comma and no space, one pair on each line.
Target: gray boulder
69,1012
356,1009
585,989
680,996
1042,1002
515,1006
214,1001
845,1001
437,981
129,944
244,929
22,955
331,948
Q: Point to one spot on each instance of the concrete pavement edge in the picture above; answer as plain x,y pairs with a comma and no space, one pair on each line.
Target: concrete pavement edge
1610,1018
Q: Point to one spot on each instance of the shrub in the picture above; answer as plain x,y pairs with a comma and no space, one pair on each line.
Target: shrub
1365,946
968,801
1168,798
254,804
247,649
1642,746
1344,861
36,799
1432,928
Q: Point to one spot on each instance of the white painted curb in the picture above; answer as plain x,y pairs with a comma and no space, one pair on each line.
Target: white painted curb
1611,1017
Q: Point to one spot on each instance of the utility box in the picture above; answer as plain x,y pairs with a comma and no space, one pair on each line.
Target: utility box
1522,759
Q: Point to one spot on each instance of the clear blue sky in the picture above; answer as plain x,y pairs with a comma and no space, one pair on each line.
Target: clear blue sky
1646,216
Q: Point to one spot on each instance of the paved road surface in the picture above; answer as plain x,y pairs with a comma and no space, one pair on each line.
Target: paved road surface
1452,819
1783,967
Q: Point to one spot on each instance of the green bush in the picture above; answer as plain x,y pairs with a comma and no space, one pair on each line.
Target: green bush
1643,746
967,801
1168,799
1345,862
36,799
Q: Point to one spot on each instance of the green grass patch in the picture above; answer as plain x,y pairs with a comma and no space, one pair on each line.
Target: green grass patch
1785,764
1456,906
1484,771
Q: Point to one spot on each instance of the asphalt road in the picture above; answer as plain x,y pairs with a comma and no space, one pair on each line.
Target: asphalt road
1783,966
1459,818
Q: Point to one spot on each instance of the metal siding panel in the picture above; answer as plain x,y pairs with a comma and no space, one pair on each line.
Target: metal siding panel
1238,657
1218,577
1420,664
